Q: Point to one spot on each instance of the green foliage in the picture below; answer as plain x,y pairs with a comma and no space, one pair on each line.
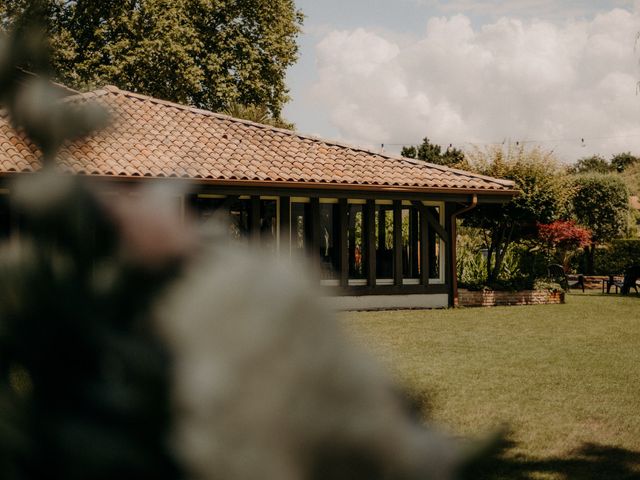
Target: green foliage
543,199
429,152
601,203
631,178
204,53
257,114
622,161
472,266
616,256
593,164
547,284
471,263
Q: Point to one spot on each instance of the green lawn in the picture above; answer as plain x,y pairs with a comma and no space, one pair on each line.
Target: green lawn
565,378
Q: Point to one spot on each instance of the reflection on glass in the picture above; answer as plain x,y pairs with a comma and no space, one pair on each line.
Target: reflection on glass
384,241
355,219
206,207
239,219
410,242
434,246
329,241
300,226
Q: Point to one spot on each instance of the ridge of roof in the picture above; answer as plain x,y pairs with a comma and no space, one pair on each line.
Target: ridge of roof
112,89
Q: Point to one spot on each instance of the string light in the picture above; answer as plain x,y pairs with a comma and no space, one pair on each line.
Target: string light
583,141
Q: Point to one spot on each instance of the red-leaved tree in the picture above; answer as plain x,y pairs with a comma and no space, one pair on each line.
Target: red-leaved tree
562,238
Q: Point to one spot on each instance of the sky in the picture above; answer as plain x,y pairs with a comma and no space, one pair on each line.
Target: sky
562,75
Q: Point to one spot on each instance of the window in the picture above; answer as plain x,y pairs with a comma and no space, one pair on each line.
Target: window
207,206
269,223
384,242
300,226
239,218
355,241
329,240
410,243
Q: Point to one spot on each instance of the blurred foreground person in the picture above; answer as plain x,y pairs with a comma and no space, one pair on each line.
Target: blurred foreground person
134,346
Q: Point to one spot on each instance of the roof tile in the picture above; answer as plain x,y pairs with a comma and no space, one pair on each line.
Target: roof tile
154,138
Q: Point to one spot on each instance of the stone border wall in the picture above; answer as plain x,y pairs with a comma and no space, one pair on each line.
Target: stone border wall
490,298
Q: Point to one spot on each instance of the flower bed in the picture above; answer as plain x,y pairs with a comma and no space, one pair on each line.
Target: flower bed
492,298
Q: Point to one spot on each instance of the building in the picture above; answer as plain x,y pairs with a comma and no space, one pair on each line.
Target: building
380,229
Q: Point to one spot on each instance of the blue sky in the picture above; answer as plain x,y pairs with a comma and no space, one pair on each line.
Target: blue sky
393,71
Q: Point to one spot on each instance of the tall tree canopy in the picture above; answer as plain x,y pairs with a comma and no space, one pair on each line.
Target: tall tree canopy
432,153
207,53
543,199
601,202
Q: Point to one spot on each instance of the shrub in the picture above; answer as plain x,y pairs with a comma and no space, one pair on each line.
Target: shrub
616,256
561,239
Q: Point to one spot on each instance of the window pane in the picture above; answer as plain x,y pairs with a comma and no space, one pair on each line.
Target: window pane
207,207
269,223
384,241
410,242
300,227
435,252
329,241
355,241
239,219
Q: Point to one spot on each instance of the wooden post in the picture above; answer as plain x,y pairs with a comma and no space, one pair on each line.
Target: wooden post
315,231
342,241
397,242
370,241
424,246
254,220
414,240
285,226
449,257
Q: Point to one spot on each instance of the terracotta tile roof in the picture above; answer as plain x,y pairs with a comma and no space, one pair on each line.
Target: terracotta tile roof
155,138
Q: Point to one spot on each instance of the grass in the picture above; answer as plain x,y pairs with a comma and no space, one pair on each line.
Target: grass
565,378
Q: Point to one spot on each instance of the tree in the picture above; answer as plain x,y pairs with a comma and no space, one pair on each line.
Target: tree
542,199
205,53
562,238
601,203
432,153
592,164
621,161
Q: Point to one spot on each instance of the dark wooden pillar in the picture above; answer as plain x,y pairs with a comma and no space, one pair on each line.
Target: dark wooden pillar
397,242
285,225
424,245
414,239
314,230
254,219
449,253
342,241
369,241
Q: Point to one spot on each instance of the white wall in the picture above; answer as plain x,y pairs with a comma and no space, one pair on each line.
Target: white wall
389,302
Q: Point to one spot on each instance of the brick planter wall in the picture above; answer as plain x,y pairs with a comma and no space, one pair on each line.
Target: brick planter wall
591,282
490,298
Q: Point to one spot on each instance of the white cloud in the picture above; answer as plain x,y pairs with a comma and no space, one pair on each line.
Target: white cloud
511,78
